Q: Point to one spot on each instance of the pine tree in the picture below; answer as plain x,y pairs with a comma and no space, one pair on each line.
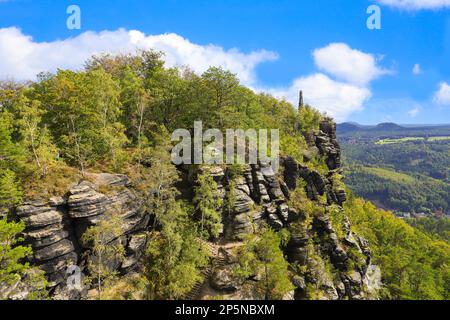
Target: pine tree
174,256
159,180
261,256
13,272
208,203
10,193
106,250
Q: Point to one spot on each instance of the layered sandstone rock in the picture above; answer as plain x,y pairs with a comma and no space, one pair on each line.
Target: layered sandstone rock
262,195
55,228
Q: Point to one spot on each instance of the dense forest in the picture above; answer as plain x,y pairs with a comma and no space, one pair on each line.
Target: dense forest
116,115
405,170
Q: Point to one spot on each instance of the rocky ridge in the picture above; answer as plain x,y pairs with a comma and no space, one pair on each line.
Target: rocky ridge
55,227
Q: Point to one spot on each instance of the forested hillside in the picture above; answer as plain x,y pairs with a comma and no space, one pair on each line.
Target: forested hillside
405,170
86,180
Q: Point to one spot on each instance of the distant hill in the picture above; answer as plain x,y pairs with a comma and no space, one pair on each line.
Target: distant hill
404,168
388,126
349,129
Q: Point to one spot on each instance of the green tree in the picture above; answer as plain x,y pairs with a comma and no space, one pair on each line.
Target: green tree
262,256
170,97
309,119
159,180
221,91
106,250
14,274
413,265
35,137
135,101
83,110
208,203
174,257
11,154
10,192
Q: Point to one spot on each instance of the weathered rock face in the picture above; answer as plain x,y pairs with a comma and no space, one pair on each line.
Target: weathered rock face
55,228
51,235
261,195
327,144
258,196
350,254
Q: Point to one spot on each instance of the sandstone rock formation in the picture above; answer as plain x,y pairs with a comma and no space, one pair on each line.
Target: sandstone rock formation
55,227
261,195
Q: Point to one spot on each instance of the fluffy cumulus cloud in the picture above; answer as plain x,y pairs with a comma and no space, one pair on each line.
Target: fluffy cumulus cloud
337,99
348,64
442,96
22,58
343,85
340,87
417,4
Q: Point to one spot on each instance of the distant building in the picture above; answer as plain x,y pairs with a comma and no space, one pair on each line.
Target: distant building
404,215
420,215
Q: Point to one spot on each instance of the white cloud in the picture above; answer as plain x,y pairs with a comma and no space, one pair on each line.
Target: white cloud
442,96
347,92
416,4
336,98
350,65
414,112
344,90
22,58
416,69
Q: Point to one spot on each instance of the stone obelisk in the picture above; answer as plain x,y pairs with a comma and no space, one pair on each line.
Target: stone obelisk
300,100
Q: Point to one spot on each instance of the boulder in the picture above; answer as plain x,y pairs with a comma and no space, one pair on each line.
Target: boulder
291,172
222,279
134,250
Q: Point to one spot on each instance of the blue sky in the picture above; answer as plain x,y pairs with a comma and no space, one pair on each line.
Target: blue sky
320,46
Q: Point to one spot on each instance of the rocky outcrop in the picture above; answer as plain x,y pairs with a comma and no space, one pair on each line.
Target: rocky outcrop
242,214
55,228
258,197
325,141
262,195
51,235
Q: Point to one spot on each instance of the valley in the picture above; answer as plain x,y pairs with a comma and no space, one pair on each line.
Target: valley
399,168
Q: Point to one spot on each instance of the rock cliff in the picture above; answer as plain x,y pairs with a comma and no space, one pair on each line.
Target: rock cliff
55,227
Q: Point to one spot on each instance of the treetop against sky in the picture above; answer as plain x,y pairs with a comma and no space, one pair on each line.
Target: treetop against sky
367,61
